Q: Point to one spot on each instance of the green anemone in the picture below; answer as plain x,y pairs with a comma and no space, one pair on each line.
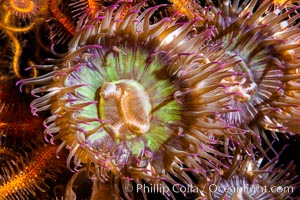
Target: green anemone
138,101
264,38
132,100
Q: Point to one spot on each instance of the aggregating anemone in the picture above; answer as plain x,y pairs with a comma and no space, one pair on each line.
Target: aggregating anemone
249,178
183,93
137,100
265,40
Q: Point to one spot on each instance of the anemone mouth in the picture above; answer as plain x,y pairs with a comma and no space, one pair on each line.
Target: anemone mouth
256,83
127,107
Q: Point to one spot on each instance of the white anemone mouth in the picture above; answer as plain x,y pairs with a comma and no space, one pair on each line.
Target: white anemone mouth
127,106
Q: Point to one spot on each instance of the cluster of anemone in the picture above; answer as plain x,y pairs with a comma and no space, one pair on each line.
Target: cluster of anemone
249,178
171,102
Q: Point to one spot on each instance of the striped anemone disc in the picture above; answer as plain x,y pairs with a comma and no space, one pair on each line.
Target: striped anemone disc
27,10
